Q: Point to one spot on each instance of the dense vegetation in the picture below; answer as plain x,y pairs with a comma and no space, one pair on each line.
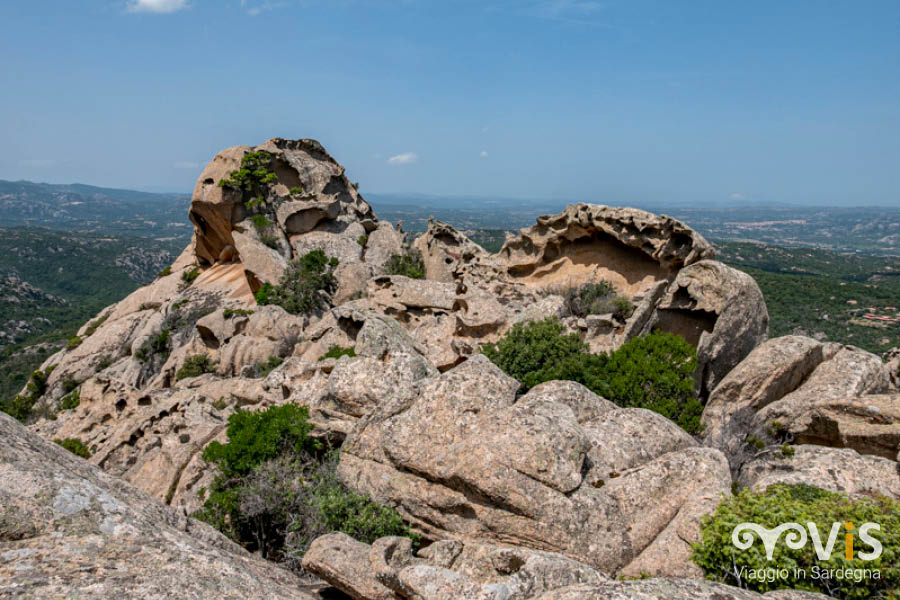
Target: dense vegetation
337,352
305,287
409,264
722,561
824,294
653,371
75,446
276,488
594,299
194,366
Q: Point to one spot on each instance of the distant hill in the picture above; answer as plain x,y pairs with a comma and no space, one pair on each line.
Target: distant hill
78,207
51,282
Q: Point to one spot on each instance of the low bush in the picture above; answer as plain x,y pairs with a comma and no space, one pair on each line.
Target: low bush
194,366
156,345
164,273
337,352
236,312
275,491
18,407
305,287
264,368
260,221
596,299
75,446
73,342
269,240
70,400
297,190
720,560
409,264
653,371
94,325
188,277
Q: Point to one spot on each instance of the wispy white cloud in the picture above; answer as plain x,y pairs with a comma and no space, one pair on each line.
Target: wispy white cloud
157,6
403,159
484,154
186,164
737,196
257,7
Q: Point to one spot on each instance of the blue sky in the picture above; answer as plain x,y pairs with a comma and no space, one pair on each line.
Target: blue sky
618,101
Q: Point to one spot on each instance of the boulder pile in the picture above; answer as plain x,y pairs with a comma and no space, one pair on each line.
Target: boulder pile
554,494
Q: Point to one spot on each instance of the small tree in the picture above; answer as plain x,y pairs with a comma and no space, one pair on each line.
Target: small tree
305,287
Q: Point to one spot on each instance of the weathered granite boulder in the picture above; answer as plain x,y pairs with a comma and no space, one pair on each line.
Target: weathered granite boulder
557,470
836,469
671,589
795,389
69,529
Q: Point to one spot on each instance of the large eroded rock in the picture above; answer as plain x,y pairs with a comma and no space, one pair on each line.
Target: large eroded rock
558,470
68,529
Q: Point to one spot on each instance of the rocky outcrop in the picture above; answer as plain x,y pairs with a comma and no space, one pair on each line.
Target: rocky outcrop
388,570
69,529
559,470
719,310
795,389
836,469
671,589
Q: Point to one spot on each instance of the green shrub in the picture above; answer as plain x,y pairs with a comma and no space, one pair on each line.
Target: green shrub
156,345
596,299
722,561
297,190
270,240
530,351
354,514
73,342
194,366
164,273
274,492
18,407
189,276
654,371
37,383
264,368
305,287
70,400
94,325
337,352
408,264
362,240
260,221
253,178
75,446
236,312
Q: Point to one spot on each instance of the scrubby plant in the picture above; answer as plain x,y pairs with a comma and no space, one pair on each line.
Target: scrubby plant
236,312
188,277
653,371
253,178
275,491
70,401
260,221
68,383
18,407
194,366
362,240
409,264
305,287
73,342
269,240
94,325
264,368
164,273
75,446
337,352
297,190
155,345
721,560
596,299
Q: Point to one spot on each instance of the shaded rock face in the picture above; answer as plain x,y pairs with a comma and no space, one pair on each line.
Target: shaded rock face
558,470
448,569
795,389
68,529
388,570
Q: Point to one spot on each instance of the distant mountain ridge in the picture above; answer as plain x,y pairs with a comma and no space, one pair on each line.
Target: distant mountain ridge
90,208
